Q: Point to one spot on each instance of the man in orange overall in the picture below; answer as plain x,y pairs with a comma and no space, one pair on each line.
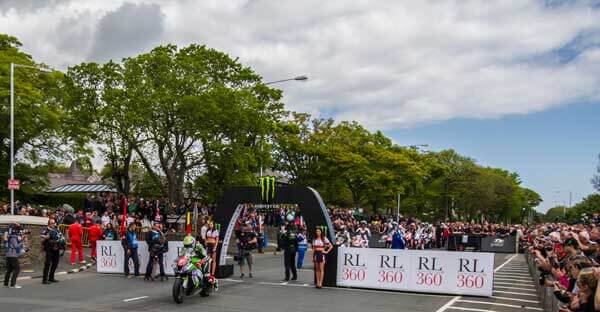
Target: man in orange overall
95,235
75,233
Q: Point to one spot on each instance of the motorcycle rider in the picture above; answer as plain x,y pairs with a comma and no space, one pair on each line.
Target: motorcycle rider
198,256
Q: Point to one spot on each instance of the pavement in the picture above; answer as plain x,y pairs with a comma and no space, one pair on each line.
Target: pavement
90,291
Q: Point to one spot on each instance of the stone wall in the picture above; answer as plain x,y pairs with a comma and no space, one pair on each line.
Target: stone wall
33,225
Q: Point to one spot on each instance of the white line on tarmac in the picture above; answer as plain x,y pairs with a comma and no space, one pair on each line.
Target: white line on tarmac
448,304
507,261
470,309
512,274
136,298
511,284
517,288
515,293
457,298
231,280
502,304
515,299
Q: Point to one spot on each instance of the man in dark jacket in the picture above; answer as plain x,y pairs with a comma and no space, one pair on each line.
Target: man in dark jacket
157,246
52,244
289,241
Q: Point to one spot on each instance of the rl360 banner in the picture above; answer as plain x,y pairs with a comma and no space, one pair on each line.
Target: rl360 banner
461,273
111,257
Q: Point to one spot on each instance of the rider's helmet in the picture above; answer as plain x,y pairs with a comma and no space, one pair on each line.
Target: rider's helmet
189,241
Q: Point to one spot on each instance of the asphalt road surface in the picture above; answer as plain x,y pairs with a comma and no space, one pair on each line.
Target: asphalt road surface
88,291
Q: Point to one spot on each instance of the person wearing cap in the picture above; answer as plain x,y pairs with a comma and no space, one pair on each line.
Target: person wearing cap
13,243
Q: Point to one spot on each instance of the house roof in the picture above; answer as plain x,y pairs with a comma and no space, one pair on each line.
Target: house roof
83,188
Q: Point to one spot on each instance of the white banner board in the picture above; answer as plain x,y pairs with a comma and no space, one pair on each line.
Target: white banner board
430,271
111,257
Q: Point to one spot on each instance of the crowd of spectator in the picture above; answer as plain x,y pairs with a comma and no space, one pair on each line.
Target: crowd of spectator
568,257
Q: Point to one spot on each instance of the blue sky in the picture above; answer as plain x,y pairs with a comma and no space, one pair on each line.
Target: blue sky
504,82
551,150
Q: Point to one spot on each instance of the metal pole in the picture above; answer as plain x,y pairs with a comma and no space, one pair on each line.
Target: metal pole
398,210
570,198
12,136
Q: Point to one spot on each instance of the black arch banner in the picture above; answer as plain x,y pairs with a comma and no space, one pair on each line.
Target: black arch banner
310,203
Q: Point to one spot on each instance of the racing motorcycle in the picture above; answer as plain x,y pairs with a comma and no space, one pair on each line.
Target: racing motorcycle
192,274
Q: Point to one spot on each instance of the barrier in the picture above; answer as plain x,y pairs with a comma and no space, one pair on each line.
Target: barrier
507,244
111,256
546,294
429,271
85,239
481,242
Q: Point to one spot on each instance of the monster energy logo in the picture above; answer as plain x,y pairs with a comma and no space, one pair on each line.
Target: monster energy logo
267,189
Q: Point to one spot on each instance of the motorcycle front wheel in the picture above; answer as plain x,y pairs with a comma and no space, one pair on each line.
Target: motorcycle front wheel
178,290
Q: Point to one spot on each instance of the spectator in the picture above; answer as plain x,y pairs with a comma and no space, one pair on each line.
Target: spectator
302,247
130,245
52,244
13,245
109,232
95,234
246,241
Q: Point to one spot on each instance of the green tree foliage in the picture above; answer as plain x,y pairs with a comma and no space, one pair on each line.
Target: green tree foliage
555,214
40,134
586,208
596,177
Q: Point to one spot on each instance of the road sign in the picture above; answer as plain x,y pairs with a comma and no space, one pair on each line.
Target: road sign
13,184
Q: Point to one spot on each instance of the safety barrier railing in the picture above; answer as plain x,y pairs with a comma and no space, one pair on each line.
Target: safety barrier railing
85,239
546,294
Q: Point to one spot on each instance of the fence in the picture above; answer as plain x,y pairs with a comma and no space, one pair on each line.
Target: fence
546,294
85,239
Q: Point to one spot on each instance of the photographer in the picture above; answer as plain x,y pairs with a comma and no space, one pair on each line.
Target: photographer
157,246
13,246
52,244
246,241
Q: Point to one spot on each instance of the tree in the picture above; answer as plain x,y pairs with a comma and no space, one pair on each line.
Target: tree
201,114
596,177
586,208
40,134
556,214
105,115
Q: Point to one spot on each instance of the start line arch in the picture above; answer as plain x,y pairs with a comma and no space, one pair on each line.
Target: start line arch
308,200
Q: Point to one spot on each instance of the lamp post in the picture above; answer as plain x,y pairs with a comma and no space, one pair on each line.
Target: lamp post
564,205
297,78
12,125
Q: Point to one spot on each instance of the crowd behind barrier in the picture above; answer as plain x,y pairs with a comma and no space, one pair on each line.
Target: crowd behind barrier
564,263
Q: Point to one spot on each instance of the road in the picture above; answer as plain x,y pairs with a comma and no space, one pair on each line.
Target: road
89,291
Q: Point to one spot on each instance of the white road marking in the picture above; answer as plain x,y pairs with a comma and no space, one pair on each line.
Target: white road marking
507,261
512,274
470,309
515,293
518,288
231,280
396,293
515,284
448,304
502,305
515,299
136,298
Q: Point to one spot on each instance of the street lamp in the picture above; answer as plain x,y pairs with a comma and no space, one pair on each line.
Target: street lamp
570,200
12,125
297,78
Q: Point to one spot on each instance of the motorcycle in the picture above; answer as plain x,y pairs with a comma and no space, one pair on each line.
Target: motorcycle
192,274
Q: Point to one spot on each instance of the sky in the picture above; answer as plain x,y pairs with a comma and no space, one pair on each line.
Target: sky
513,84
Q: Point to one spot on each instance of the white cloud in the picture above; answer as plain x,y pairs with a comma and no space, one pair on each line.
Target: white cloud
388,64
